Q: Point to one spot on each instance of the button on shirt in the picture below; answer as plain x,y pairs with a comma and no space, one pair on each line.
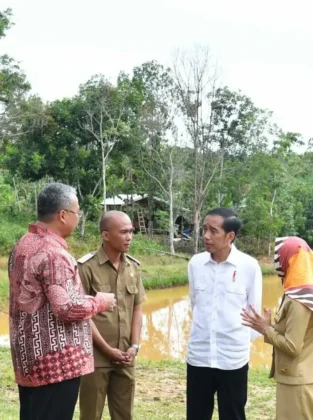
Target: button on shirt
218,292
99,275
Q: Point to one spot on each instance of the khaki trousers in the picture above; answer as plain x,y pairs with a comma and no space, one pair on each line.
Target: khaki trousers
117,383
294,402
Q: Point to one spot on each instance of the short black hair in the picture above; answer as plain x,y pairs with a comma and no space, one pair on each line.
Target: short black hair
231,223
53,198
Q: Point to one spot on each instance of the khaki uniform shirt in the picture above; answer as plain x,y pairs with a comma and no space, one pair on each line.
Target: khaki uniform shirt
292,338
98,275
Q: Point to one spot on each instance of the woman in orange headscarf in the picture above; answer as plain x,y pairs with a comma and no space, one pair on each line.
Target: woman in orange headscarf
292,332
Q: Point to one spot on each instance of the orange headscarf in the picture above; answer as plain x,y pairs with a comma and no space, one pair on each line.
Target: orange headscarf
294,263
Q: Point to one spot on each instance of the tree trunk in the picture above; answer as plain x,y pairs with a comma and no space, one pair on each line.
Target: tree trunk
196,230
17,199
150,213
82,224
171,221
219,194
35,192
104,196
271,214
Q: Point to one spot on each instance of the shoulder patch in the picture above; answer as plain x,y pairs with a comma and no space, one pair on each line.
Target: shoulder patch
133,259
86,257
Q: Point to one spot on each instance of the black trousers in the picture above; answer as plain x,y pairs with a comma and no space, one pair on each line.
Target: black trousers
231,389
49,402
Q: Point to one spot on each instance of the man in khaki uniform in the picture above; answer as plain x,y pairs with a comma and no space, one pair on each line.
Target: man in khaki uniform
115,334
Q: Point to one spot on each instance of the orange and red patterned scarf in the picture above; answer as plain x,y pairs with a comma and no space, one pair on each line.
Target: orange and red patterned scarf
293,261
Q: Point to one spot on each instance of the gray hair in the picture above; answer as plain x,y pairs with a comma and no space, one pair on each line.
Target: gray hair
53,198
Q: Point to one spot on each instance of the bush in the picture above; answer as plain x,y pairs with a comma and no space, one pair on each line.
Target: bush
12,228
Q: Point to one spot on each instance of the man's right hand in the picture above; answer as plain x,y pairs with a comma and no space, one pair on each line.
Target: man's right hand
109,299
117,356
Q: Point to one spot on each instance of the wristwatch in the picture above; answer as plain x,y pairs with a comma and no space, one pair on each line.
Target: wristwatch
135,346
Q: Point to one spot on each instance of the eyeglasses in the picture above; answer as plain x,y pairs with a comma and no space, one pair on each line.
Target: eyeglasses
79,213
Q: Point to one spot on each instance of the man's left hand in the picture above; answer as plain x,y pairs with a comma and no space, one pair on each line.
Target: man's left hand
256,321
132,353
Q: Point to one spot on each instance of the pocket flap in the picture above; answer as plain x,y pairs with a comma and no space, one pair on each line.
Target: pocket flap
200,285
132,288
236,288
104,288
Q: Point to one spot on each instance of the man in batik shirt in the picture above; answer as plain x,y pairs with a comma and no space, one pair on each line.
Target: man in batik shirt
49,314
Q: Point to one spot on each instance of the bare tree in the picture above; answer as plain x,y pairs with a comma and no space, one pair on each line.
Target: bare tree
196,80
169,160
104,107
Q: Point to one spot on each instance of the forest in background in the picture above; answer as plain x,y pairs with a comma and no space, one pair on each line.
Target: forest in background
175,133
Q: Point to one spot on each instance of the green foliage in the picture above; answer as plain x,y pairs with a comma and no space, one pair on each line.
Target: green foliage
12,80
162,220
125,138
143,245
5,21
12,228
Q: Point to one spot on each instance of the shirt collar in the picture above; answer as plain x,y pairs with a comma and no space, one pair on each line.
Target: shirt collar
103,258
231,259
40,229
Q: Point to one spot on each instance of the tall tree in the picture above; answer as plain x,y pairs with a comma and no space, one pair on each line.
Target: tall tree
156,119
106,118
239,129
170,161
13,87
196,84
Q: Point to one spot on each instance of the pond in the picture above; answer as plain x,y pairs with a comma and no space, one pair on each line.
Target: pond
167,319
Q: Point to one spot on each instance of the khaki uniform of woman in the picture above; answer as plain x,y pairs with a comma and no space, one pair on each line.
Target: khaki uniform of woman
292,332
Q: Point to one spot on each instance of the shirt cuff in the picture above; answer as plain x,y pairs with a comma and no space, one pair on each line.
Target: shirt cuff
267,334
102,305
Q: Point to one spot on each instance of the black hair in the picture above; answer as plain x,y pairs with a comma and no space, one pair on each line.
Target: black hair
231,223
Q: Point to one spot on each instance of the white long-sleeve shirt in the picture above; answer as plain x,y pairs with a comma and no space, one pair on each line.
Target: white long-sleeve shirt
218,292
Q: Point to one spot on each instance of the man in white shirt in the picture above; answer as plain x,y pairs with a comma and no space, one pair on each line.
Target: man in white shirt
222,281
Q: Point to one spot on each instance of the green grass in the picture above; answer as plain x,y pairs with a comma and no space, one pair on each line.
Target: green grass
158,270
267,270
160,392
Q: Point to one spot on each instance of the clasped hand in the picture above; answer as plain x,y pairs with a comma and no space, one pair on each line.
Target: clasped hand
123,358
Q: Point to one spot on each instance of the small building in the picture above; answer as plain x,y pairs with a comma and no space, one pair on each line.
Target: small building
146,212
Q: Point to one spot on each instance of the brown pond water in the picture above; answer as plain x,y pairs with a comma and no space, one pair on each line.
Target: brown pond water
167,319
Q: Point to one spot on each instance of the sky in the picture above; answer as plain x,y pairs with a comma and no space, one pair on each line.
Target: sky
264,48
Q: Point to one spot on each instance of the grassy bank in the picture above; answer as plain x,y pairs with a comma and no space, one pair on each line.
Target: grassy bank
160,392
158,270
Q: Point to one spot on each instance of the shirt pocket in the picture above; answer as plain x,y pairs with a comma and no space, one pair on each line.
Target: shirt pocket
236,295
286,365
200,285
131,292
103,288
200,293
